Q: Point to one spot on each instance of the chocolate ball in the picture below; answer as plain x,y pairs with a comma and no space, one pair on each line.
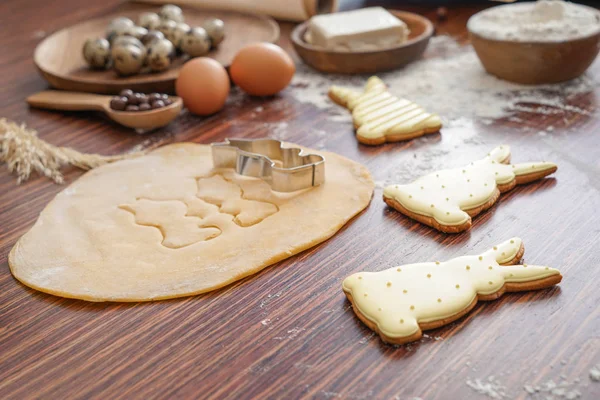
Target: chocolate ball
126,93
118,103
132,108
144,107
158,104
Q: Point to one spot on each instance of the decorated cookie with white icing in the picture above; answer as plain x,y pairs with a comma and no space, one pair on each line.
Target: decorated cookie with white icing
400,302
380,117
447,200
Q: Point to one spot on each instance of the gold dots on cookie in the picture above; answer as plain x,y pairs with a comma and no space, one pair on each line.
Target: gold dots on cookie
379,309
432,206
491,283
512,242
495,248
547,269
470,194
447,212
410,196
405,291
468,180
480,258
443,187
468,267
429,276
422,187
360,277
366,294
402,321
399,269
447,199
439,300
412,307
388,284
457,286
503,253
490,267
485,184
524,265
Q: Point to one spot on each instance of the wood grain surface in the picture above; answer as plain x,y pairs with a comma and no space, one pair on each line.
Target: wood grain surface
288,331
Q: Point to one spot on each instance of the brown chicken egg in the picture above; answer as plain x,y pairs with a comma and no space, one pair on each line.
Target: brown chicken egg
203,84
262,69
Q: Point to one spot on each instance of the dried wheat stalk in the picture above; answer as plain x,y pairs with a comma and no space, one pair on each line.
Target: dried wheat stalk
23,152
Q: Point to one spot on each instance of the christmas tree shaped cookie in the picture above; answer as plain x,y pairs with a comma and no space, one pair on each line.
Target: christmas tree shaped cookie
400,302
380,117
447,200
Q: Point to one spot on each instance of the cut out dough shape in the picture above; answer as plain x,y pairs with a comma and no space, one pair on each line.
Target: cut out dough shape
87,245
400,302
380,117
447,200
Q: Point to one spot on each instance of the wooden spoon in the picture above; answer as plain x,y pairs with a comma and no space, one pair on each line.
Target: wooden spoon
76,101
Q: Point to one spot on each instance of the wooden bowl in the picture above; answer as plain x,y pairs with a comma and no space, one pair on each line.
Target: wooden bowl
60,61
344,62
535,63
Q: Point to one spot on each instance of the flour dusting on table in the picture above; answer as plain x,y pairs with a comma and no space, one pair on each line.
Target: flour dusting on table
451,82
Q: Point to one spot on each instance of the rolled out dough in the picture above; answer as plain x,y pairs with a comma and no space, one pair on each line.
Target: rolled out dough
168,225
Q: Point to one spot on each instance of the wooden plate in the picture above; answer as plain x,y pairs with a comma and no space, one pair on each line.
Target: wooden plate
60,61
343,62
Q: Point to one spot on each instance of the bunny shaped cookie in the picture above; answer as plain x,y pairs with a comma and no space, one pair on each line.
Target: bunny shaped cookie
447,200
380,117
400,302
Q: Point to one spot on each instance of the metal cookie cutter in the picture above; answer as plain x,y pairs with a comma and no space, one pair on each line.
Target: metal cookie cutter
254,157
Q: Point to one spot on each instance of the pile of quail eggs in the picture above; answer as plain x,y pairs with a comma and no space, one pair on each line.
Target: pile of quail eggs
153,43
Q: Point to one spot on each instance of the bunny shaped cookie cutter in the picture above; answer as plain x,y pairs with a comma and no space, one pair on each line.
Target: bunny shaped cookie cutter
285,169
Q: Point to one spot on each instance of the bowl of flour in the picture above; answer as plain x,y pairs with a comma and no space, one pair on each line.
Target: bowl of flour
546,41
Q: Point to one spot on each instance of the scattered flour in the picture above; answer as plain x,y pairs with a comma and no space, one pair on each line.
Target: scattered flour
489,387
451,82
277,130
595,373
541,21
291,334
269,298
551,390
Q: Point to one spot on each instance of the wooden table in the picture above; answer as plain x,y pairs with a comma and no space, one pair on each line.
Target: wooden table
288,331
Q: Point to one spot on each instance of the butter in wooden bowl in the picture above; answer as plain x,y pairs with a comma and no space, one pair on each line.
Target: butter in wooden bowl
367,40
372,28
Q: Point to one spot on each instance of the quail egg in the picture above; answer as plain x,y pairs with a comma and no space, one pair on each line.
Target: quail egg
128,59
215,29
127,41
171,12
178,33
151,36
118,25
166,27
196,42
149,20
160,54
96,52
137,32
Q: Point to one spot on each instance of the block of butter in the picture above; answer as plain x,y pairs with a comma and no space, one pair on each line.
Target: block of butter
367,29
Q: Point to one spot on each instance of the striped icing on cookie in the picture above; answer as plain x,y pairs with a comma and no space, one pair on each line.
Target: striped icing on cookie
445,195
378,114
398,299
